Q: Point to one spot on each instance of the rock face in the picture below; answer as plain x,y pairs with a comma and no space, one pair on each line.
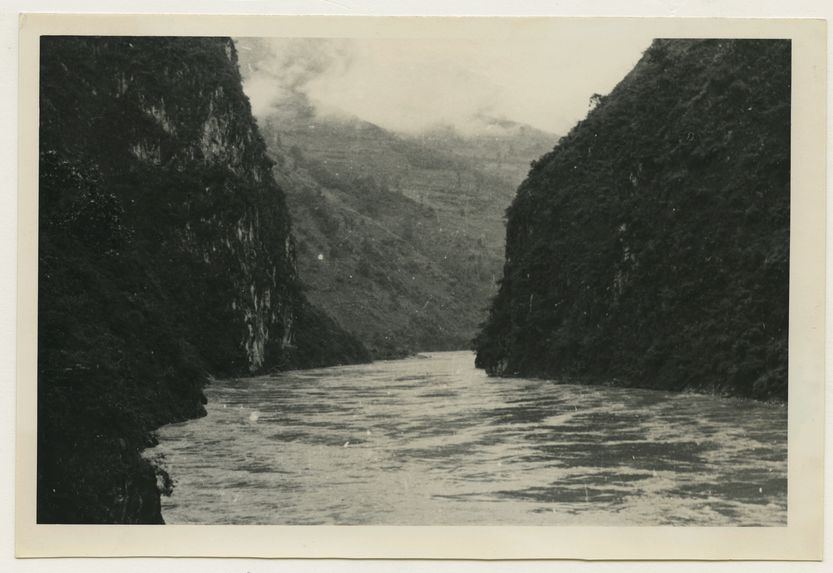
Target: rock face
651,246
165,254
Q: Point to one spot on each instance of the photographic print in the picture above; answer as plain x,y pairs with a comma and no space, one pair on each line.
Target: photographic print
399,279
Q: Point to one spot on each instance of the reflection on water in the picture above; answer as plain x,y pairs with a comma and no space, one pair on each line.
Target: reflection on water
432,441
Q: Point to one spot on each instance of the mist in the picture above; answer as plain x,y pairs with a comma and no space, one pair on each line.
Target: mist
413,85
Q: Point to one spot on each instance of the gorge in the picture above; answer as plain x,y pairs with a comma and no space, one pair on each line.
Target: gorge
185,241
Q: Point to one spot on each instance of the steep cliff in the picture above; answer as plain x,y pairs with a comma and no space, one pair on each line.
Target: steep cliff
165,254
651,246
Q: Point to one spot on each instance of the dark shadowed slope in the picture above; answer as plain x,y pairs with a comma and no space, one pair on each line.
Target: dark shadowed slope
651,246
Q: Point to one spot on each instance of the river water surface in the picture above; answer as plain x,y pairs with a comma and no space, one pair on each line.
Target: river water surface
433,441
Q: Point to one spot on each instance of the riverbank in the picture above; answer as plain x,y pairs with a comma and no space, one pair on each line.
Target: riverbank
619,382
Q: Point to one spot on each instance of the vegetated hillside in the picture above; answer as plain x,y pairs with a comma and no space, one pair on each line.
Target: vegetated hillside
387,268
503,150
165,254
410,229
465,198
652,245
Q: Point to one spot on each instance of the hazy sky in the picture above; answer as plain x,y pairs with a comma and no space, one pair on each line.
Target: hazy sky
409,85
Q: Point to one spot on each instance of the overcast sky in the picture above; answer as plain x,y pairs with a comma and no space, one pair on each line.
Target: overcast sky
409,85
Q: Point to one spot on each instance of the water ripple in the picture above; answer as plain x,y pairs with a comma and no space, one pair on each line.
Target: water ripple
435,442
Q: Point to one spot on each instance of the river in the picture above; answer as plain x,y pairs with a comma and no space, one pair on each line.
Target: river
431,440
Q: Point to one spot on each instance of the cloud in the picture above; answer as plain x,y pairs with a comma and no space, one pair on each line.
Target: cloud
277,72
411,85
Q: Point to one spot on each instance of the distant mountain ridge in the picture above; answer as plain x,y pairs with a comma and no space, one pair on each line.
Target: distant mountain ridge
410,228
380,262
400,235
504,150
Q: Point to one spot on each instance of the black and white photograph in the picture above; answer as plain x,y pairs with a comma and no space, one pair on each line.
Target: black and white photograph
392,280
